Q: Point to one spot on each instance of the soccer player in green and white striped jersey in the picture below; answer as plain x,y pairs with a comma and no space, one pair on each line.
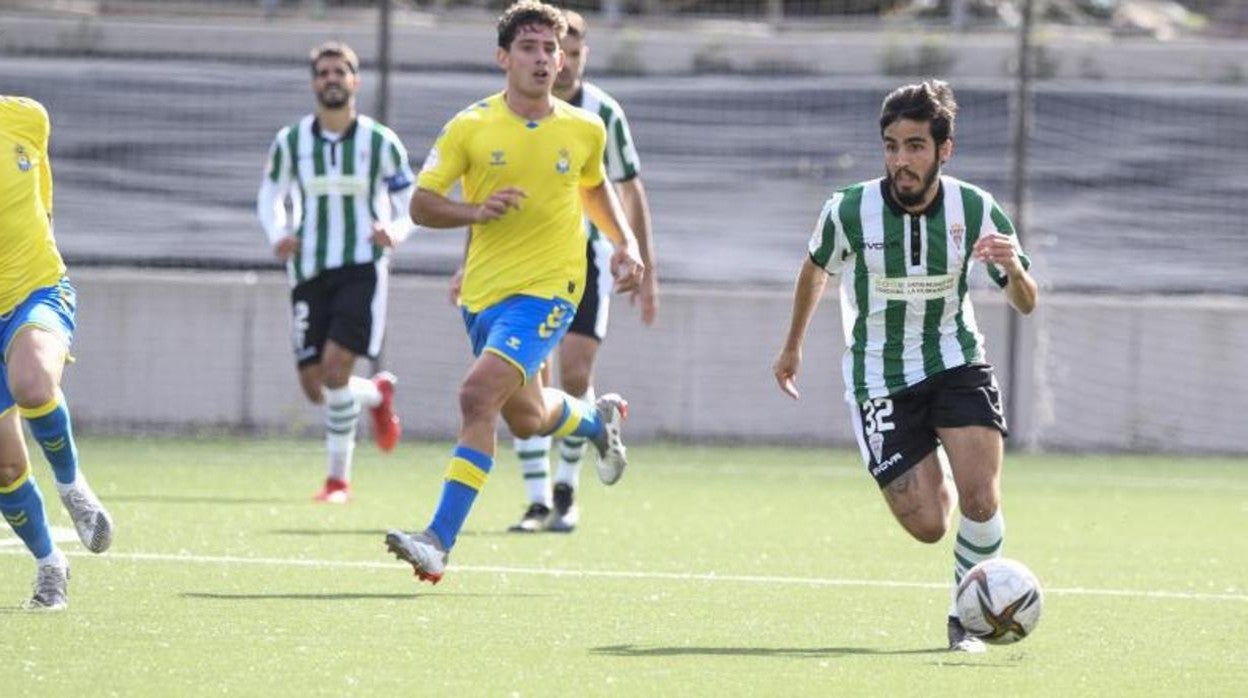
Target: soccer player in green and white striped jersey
554,509
349,185
914,367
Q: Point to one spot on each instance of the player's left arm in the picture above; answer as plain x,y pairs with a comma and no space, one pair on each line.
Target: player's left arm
603,208
999,249
624,168
632,194
397,177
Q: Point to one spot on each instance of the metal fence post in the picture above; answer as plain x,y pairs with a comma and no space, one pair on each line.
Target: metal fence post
1022,132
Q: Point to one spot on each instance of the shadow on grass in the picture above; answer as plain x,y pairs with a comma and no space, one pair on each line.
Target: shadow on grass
191,499
378,532
340,596
798,652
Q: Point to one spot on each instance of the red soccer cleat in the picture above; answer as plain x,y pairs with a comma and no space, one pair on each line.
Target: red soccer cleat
334,492
386,426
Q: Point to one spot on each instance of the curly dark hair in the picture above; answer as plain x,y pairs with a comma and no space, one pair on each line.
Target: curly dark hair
930,100
527,12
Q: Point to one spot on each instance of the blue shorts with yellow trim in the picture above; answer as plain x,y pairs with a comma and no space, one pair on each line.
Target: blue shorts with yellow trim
523,330
50,308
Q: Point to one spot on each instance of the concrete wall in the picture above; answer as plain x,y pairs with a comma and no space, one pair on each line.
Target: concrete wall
190,351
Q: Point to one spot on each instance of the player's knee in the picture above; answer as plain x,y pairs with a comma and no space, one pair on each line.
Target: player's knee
928,531
524,426
32,390
979,506
476,403
10,470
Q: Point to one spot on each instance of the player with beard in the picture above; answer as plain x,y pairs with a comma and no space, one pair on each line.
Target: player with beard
914,368
349,185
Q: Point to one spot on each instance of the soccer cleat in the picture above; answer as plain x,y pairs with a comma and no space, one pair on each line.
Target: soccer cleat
961,641
91,519
534,519
422,550
51,588
334,492
386,426
612,456
565,516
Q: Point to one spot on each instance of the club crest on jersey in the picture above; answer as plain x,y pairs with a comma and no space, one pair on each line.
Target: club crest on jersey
23,160
958,232
498,157
564,164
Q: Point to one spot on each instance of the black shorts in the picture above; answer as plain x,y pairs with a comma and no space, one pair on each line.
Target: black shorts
595,306
346,304
896,432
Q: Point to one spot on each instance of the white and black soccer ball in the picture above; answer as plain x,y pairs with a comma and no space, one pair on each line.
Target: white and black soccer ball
999,601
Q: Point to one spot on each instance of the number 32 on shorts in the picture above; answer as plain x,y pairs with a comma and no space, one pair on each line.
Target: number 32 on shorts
875,415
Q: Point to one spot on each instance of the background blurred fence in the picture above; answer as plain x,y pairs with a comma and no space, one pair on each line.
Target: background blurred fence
1134,181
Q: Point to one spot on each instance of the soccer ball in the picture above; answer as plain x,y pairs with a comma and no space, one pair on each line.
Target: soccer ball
999,601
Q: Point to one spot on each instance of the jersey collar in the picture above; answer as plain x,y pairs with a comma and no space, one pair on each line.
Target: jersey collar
897,208
346,135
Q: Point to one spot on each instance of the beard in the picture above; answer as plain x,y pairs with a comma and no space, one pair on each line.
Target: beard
333,97
916,197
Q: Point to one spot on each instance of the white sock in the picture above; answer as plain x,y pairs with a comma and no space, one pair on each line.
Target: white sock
365,391
533,454
342,413
56,557
63,488
572,451
976,541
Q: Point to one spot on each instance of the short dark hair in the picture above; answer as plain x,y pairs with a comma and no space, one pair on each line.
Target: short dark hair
931,101
576,24
335,49
526,12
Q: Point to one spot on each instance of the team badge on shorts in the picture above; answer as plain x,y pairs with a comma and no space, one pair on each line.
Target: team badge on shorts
876,442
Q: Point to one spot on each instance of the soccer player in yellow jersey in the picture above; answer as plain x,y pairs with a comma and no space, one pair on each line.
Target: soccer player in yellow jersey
36,329
530,166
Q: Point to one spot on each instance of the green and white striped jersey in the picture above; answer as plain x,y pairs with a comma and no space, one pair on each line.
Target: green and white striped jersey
338,185
905,308
621,158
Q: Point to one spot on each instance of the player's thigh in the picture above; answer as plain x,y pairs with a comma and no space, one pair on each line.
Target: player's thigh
521,330
358,308
594,309
36,336
975,457
490,383
920,499
969,419
13,454
309,319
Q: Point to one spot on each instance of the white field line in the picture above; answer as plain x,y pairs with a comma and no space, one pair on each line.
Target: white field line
623,574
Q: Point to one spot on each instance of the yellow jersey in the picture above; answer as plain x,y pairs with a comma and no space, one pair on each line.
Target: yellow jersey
28,256
538,250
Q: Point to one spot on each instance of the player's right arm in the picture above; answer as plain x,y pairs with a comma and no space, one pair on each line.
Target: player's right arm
827,251
271,199
446,163
811,281
434,210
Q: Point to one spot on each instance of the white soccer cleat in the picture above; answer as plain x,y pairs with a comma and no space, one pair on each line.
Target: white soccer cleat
962,641
422,550
51,588
612,455
91,519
